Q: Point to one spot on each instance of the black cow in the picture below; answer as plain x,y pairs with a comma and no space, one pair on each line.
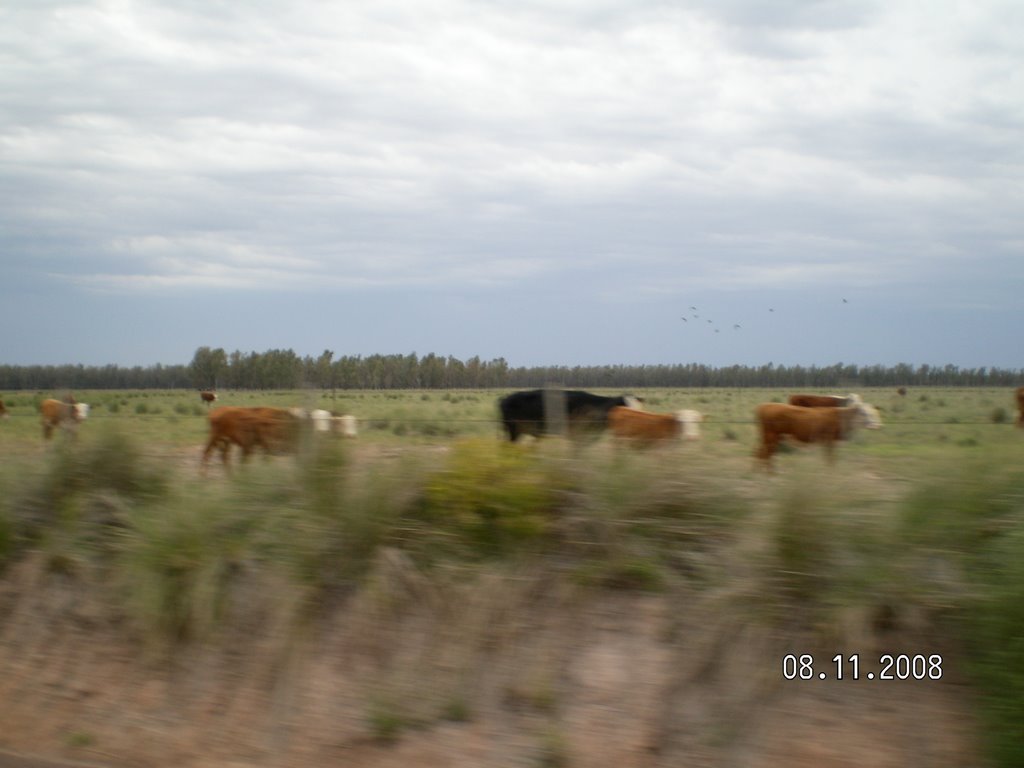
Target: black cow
522,413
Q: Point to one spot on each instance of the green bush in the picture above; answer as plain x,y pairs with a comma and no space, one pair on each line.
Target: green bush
972,522
994,640
494,496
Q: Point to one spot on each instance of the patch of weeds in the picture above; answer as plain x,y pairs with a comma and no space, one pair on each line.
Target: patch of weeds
385,721
456,710
79,739
554,751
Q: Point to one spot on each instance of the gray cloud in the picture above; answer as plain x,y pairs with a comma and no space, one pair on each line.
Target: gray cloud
590,152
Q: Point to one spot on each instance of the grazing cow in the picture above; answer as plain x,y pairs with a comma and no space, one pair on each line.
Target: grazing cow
522,413
811,425
275,430
1020,407
820,401
644,429
902,391
59,414
3,411
208,397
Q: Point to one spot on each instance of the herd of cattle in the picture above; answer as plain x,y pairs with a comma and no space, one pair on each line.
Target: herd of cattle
823,419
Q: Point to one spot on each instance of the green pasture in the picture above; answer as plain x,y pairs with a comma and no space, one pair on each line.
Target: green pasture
920,522
924,426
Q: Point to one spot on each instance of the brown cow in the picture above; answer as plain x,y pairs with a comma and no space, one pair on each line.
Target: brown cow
3,411
810,425
275,430
58,414
207,396
819,401
643,428
1020,407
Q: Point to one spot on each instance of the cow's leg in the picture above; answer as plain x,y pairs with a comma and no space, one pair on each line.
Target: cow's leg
766,450
210,445
246,450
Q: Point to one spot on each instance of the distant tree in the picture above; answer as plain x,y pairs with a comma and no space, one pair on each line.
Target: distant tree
207,367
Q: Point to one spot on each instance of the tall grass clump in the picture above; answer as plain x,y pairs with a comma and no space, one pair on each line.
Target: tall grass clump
176,563
636,517
967,528
83,495
832,553
323,521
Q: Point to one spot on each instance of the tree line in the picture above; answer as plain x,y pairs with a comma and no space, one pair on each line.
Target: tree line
213,368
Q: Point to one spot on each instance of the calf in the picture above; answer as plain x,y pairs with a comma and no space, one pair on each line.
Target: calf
522,413
59,414
275,430
810,425
644,429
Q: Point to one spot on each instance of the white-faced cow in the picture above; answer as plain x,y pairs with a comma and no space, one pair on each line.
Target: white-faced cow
522,413
643,429
64,415
208,396
811,425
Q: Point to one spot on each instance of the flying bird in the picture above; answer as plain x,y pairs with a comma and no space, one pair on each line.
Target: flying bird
736,327
845,301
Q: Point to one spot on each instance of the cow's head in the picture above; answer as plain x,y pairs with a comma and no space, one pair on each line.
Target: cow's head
80,411
868,415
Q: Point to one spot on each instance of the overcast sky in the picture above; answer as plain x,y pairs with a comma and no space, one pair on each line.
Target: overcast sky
553,182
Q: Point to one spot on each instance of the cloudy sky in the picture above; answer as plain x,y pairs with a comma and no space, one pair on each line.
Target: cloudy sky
553,182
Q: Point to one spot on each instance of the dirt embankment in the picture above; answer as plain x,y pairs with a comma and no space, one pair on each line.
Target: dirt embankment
493,670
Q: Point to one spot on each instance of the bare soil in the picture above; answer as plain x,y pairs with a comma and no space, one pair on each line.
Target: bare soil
500,672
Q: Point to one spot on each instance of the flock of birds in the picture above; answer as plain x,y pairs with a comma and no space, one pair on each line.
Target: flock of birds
735,326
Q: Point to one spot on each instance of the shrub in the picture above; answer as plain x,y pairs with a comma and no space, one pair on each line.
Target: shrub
972,522
999,416
493,495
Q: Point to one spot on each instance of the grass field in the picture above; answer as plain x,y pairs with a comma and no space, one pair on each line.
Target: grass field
919,525
923,419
